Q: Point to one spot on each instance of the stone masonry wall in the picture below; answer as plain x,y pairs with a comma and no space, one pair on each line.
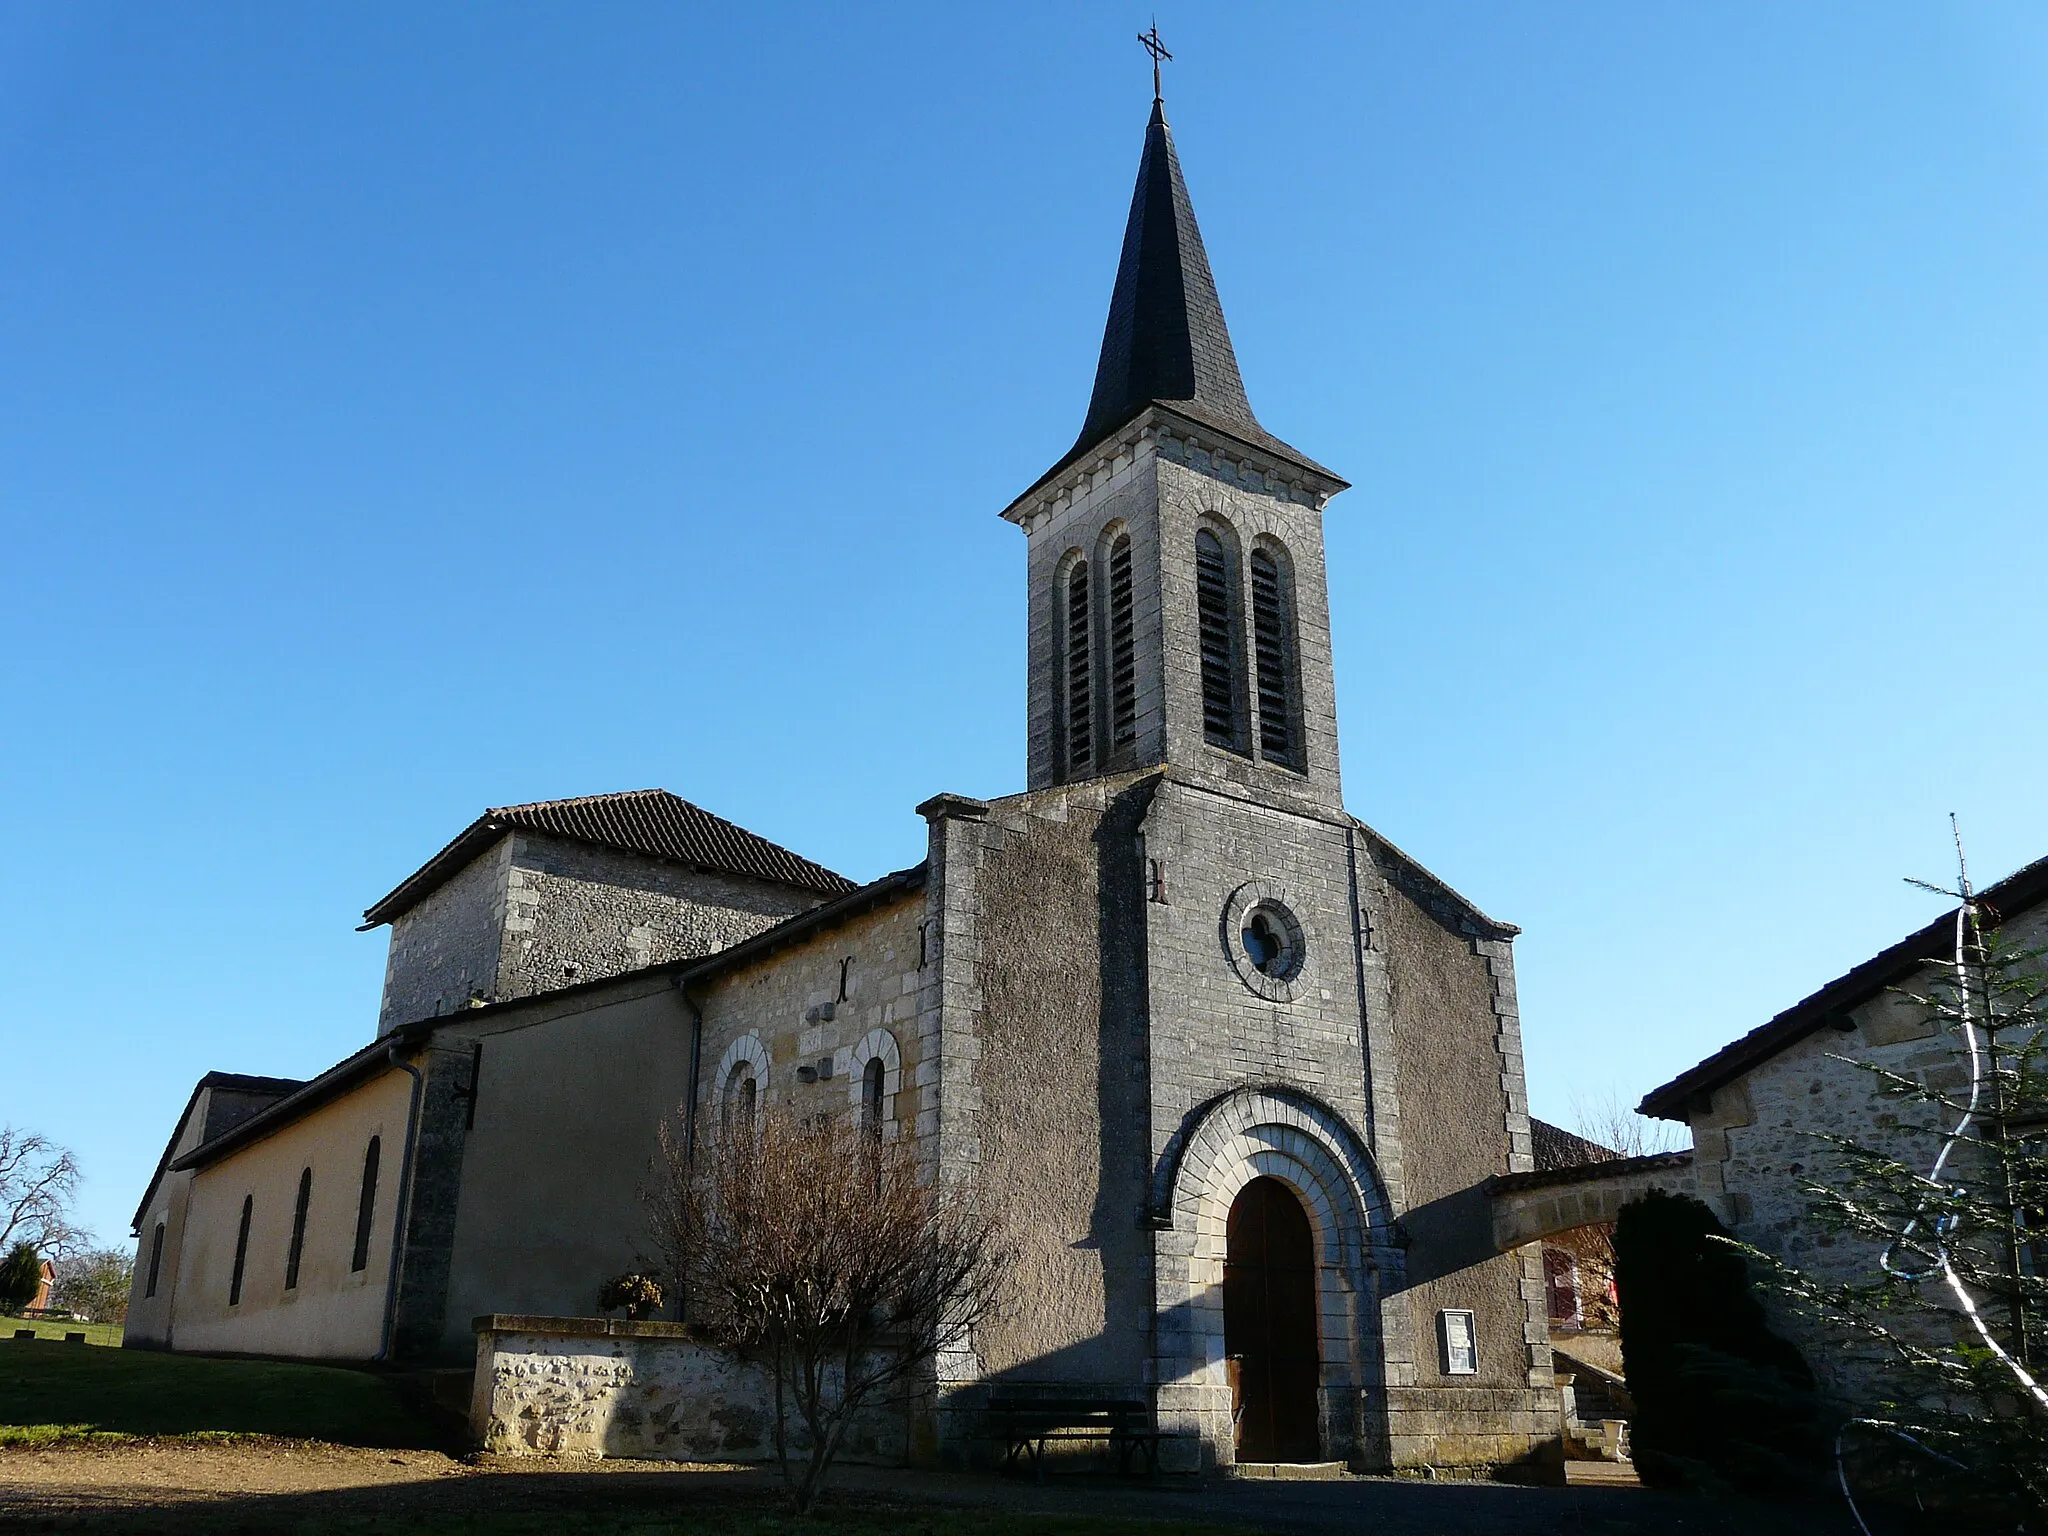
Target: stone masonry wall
790,1004
1061,1066
592,1387
605,912
448,946
534,913
1756,1141
1463,1120
1161,488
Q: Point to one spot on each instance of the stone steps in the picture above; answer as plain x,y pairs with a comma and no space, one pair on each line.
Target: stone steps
1292,1471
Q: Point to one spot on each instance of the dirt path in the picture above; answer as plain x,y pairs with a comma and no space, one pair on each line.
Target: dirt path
266,1485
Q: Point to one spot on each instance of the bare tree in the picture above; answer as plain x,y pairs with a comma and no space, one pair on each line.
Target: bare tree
1606,1119
38,1179
819,1250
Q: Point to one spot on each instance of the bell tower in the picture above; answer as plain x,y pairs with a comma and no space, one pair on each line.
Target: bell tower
1178,613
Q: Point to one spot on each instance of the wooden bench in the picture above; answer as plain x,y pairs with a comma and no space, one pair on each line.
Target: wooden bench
1027,1424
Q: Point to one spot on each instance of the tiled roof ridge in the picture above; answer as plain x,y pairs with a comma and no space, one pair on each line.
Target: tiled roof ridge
655,823
2022,890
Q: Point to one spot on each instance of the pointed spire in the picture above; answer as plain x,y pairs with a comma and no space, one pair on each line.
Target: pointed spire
1166,339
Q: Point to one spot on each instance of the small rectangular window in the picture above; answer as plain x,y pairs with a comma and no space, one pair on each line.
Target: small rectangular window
1459,1336
156,1259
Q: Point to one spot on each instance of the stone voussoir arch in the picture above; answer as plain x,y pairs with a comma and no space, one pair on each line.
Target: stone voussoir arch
1531,1206
1283,1133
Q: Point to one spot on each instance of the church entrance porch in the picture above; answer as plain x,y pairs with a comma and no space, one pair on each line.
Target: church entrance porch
1272,1244
1269,1324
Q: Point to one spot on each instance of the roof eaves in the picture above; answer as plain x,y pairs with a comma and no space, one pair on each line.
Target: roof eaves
381,1053
237,1081
2019,891
372,1060
1192,414
435,873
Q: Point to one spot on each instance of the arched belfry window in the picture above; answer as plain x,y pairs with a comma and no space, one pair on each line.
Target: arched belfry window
1080,673
1123,654
1218,635
1273,647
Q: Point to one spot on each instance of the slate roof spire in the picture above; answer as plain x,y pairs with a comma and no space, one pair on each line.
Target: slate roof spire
1166,340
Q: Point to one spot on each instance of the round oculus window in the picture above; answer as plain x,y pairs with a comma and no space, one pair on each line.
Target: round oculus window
1272,941
1265,942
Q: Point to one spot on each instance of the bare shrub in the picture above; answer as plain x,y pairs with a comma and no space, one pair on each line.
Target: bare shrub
817,1249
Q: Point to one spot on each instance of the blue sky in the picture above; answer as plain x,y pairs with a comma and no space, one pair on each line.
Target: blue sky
406,409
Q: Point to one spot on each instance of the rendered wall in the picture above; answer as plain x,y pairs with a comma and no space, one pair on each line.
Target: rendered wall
1457,1115
572,1093
334,1312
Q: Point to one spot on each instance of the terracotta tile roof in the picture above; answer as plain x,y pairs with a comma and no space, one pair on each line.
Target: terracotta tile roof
1556,1147
652,822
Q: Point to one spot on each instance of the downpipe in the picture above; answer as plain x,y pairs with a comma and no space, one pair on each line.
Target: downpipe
401,1208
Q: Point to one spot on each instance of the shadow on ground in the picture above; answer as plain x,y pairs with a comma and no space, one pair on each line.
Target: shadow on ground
504,1501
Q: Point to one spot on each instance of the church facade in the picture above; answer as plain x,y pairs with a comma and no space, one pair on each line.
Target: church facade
1233,1069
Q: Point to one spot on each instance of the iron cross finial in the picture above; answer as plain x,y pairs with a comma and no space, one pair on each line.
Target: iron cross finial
1158,51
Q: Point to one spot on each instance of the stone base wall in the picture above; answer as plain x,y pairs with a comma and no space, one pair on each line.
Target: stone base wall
661,1391
1473,1427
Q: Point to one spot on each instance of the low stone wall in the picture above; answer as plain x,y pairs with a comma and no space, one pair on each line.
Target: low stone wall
589,1386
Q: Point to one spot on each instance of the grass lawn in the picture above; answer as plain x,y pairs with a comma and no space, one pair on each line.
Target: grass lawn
95,1333
52,1392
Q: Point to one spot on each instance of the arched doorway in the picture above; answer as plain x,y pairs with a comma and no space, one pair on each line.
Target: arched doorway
1269,1324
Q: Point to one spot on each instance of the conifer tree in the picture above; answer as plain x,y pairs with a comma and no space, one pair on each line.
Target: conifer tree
1950,1325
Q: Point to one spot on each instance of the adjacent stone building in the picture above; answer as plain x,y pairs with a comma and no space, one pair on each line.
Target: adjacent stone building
1757,1106
1235,1069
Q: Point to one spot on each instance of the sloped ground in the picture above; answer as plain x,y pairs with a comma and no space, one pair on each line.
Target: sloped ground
52,1391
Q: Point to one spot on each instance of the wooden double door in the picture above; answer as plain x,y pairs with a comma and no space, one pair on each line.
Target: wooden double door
1269,1325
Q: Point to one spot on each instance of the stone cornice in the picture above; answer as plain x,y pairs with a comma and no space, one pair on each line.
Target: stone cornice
1172,435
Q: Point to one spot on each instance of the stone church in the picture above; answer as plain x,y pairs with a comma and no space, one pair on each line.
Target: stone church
1234,1069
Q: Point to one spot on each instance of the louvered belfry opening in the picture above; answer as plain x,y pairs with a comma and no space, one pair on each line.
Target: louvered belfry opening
1219,679
1273,651
1123,654
1080,674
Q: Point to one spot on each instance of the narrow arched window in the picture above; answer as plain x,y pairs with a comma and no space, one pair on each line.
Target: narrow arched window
1218,641
872,1078
742,1095
1273,649
241,1252
366,1206
156,1259
297,1249
1080,674
1123,653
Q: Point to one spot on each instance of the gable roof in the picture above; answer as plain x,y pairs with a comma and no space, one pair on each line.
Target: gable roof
2018,892
651,822
381,1054
233,1082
